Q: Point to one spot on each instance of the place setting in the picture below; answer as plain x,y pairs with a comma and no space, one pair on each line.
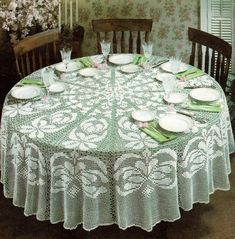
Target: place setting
183,73
204,99
27,92
166,128
93,64
37,90
120,59
67,65
173,94
88,72
174,66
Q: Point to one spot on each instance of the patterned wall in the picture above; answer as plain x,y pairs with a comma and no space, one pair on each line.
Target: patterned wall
171,21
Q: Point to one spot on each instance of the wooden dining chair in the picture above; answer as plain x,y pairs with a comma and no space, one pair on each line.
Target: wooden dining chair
36,51
123,33
212,54
42,49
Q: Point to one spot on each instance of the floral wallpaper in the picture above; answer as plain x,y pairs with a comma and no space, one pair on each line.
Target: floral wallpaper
171,21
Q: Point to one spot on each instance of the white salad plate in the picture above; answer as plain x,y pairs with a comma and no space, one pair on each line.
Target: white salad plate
121,59
162,76
168,67
130,68
88,72
175,98
71,67
205,94
57,87
176,123
26,92
143,115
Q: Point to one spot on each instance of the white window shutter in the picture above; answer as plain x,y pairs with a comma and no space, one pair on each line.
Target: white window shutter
217,17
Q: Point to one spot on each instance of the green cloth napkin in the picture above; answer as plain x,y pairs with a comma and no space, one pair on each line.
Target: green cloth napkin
203,107
32,82
153,131
139,59
190,73
85,61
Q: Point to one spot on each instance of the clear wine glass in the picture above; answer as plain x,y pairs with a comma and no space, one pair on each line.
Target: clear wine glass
169,85
175,64
148,50
105,48
66,56
48,79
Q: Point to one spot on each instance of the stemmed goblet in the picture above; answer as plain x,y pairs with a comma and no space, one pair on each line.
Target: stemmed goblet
148,50
105,49
47,78
66,56
169,85
175,65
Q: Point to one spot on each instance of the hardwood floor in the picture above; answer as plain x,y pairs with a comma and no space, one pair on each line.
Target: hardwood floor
215,220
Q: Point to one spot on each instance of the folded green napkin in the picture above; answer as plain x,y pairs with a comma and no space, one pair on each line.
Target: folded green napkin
85,61
203,107
31,82
190,73
158,134
139,59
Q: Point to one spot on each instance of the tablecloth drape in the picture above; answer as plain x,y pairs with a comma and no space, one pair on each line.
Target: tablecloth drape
84,160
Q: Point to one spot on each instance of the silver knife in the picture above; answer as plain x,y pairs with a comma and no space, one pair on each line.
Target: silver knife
159,63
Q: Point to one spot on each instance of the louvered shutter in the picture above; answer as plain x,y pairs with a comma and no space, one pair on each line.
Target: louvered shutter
219,15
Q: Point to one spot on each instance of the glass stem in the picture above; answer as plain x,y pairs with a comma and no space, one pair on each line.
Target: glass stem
47,94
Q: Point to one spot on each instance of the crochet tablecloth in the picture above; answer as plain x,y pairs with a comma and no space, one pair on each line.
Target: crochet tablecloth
84,160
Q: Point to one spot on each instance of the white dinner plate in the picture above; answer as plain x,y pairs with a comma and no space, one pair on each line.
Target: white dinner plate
71,67
121,59
130,68
26,92
176,123
162,76
168,67
205,94
57,87
88,72
175,98
143,115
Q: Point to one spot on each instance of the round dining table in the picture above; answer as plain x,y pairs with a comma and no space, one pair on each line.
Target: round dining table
78,157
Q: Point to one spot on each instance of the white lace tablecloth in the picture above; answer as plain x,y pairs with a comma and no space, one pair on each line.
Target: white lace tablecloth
84,160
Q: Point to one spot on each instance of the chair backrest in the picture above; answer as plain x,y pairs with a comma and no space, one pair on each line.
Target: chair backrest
36,51
42,49
215,60
122,33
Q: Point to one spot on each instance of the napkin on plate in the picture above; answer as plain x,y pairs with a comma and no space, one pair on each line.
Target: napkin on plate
190,73
85,61
153,131
139,59
28,81
215,107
